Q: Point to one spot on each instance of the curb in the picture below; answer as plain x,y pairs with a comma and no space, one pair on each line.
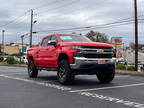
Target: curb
132,74
13,65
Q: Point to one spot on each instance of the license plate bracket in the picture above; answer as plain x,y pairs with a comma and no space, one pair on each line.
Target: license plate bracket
101,61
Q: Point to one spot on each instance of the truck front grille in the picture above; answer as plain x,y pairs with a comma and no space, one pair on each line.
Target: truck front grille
92,52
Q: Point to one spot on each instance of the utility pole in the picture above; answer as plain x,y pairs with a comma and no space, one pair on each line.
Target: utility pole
31,28
22,43
3,42
136,36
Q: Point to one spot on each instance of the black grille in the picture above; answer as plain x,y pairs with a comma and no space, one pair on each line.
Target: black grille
92,47
97,55
93,55
91,52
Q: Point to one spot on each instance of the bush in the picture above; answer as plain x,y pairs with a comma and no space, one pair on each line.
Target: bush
121,67
10,60
1,59
21,62
131,68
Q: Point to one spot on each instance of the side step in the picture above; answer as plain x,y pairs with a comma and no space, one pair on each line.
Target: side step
48,69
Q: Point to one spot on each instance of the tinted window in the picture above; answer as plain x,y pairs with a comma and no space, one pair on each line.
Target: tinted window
73,38
45,41
54,38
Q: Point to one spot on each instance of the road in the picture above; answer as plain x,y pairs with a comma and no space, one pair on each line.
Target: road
19,91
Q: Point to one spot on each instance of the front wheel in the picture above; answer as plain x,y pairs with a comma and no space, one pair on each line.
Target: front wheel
106,77
64,72
32,71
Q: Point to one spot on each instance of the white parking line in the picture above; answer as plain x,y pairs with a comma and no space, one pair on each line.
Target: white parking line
16,74
80,92
104,88
46,84
113,99
122,76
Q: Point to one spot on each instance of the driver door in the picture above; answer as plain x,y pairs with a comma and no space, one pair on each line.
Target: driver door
43,52
52,53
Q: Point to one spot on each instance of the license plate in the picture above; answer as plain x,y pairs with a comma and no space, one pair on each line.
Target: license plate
101,62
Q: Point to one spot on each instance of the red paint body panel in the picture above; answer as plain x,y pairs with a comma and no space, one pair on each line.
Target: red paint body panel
48,56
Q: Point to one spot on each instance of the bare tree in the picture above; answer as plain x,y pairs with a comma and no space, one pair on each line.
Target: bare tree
97,36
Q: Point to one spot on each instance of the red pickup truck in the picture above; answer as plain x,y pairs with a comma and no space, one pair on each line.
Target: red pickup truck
70,55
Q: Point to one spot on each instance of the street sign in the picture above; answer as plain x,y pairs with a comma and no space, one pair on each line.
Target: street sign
24,49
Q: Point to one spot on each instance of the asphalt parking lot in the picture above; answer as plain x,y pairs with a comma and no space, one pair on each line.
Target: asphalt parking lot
17,90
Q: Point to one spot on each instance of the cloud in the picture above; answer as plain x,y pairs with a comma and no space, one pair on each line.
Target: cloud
57,14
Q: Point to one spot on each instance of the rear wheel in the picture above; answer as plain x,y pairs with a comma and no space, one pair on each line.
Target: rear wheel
106,77
32,71
64,72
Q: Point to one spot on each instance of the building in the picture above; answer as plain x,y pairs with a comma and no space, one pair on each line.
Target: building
14,48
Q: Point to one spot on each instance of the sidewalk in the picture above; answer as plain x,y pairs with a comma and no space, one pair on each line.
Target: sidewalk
18,65
129,72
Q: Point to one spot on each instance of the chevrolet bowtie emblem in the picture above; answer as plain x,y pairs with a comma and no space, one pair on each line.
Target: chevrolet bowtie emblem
100,51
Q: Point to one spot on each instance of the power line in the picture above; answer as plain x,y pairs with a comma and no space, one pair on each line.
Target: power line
94,26
14,19
64,5
47,4
101,26
20,22
26,34
82,29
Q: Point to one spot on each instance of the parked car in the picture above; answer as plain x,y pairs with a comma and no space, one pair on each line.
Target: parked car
70,55
121,61
24,58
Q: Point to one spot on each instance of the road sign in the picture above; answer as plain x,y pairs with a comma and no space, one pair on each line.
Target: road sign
118,46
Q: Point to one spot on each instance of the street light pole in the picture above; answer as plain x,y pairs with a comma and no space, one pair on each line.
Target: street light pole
31,28
22,43
136,36
3,41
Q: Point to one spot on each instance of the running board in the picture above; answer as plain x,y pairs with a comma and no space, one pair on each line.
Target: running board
48,69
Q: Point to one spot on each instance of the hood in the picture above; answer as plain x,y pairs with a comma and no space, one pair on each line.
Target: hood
96,44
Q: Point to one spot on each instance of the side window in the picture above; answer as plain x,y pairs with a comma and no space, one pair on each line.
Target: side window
45,41
54,38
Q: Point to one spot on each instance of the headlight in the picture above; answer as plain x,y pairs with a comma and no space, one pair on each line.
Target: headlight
76,47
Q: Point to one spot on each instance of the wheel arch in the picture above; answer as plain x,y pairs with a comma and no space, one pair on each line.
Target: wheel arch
63,56
30,58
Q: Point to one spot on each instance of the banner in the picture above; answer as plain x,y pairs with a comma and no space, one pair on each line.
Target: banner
118,46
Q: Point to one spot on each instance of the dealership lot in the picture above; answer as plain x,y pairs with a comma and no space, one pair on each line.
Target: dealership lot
19,91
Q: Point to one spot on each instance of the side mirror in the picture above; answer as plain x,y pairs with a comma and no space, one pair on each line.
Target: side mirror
52,42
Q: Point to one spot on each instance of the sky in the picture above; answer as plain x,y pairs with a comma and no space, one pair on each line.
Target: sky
54,16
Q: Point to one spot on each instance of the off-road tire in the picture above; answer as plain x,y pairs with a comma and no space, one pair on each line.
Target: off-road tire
64,73
32,71
106,77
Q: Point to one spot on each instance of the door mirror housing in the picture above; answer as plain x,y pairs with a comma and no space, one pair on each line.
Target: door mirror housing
52,42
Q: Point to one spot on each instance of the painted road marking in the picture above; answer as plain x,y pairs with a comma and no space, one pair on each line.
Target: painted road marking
113,99
46,84
88,94
122,76
16,74
104,88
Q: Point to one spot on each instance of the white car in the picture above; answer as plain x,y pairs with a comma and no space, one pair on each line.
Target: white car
24,59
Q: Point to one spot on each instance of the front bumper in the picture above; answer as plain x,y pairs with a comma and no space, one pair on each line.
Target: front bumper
91,65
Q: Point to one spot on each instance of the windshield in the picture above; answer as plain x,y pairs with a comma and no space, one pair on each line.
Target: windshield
74,38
